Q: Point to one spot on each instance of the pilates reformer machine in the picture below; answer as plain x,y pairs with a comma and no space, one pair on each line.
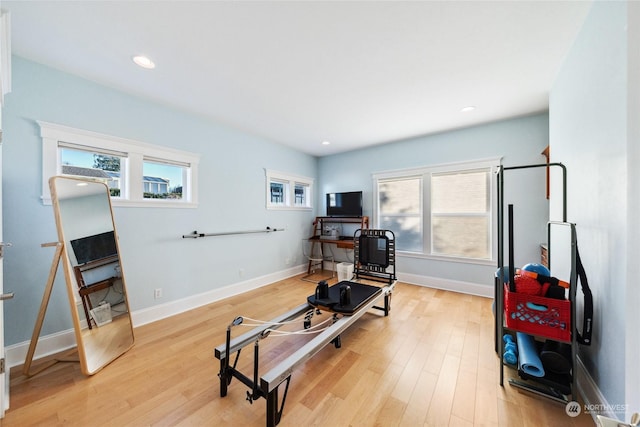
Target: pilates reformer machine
347,301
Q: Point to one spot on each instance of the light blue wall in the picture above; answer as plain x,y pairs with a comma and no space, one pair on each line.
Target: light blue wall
232,197
588,132
518,141
632,297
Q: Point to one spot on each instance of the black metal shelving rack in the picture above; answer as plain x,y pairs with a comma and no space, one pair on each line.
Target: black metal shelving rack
500,327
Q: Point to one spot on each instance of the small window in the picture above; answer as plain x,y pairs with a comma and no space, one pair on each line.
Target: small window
92,164
138,174
301,195
288,191
278,192
163,180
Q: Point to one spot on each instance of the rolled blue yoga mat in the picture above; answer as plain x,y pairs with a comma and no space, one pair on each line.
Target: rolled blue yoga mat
528,355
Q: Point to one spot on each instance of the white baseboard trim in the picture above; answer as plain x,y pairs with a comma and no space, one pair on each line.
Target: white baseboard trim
448,285
60,341
594,400
152,314
47,345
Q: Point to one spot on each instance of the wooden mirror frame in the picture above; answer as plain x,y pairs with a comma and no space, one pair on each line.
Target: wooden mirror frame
97,345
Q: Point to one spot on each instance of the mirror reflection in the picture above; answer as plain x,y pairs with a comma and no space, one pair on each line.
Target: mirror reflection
93,271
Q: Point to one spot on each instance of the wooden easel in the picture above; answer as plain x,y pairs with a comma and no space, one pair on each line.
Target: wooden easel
43,310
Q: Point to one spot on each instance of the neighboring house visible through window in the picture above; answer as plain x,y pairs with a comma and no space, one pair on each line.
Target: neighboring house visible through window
87,172
286,191
137,173
77,161
155,185
114,183
152,184
439,211
163,179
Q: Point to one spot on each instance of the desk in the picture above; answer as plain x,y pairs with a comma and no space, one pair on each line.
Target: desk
342,242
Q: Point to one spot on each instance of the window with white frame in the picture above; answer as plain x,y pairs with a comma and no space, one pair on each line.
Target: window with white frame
138,174
278,190
285,191
93,163
301,191
440,211
163,179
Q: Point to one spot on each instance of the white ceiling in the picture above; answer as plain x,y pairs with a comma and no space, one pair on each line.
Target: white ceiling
354,73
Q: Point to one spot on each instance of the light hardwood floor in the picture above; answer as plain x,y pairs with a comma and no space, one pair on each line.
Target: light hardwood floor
431,362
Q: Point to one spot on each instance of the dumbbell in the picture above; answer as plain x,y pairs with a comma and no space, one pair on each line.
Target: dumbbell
510,355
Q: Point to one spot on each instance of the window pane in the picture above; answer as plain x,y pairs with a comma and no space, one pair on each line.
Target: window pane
162,181
277,192
301,194
454,220
400,196
460,208
94,165
462,236
408,231
400,203
460,192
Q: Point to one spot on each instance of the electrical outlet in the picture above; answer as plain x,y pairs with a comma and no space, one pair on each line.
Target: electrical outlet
157,293
287,261
241,272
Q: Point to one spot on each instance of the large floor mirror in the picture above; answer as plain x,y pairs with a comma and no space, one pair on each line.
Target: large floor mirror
93,271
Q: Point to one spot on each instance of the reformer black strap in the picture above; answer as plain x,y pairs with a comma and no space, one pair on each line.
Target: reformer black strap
587,321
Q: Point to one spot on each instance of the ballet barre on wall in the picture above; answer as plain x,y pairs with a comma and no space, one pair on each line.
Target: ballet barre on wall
195,234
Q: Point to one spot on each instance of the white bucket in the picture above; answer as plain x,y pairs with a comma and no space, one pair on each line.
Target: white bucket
345,271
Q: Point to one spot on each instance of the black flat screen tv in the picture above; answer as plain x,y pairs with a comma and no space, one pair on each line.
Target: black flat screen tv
93,248
344,204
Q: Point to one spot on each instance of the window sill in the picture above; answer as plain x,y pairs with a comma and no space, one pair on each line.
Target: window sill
459,260
156,203
289,208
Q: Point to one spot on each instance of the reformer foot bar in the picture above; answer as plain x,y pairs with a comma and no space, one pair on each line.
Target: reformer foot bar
268,385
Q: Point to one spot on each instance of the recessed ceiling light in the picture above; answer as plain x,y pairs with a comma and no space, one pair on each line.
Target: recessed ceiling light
325,143
144,62
468,108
